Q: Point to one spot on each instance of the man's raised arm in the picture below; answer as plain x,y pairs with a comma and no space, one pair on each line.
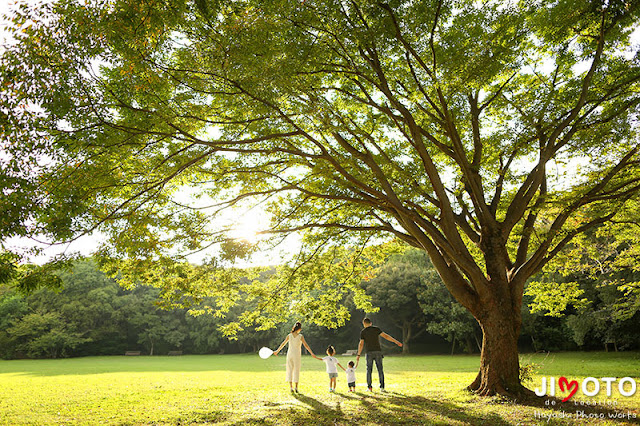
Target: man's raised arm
389,338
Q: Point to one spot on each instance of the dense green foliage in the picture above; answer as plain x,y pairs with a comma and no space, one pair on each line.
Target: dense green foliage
446,317
395,290
93,315
413,299
595,286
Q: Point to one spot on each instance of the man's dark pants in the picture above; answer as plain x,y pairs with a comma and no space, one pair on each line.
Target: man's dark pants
377,357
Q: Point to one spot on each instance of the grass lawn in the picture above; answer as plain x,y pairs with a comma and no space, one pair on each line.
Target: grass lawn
244,389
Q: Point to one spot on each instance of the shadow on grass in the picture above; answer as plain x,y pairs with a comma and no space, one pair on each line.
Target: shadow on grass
380,409
202,417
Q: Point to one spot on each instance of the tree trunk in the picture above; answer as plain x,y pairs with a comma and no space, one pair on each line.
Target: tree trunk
499,363
406,336
469,345
494,298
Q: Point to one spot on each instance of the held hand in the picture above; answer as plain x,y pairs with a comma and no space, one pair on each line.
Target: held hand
400,344
276,353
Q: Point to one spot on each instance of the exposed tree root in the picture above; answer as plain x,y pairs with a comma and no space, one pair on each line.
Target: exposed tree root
485,388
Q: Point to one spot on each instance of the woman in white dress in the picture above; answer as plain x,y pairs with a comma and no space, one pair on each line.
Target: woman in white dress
294,355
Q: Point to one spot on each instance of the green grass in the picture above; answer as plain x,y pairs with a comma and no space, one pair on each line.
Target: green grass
244,389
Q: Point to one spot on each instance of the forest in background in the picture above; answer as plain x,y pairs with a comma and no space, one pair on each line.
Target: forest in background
92,315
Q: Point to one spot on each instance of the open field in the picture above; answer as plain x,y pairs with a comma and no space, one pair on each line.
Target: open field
244,389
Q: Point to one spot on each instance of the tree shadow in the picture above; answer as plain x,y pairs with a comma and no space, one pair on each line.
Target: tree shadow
396,408
416,407
319,406
382,409
202,417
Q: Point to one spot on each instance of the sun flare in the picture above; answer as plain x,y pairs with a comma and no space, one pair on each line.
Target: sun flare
247,226
246,232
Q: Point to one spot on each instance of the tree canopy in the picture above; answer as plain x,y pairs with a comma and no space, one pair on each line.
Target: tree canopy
488,134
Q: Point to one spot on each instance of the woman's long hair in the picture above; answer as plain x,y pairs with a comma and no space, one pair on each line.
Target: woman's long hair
296,326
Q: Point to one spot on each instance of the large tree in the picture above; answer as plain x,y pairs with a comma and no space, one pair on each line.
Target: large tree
487,134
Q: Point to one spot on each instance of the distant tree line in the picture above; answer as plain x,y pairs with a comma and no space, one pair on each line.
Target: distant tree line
589,297
92,315
573,306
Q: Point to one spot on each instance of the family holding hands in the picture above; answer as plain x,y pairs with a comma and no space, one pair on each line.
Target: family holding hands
369,341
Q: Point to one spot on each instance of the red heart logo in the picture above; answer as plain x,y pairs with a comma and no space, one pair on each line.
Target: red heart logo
572,387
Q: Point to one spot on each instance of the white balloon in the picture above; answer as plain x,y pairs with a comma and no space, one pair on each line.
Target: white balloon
265,353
